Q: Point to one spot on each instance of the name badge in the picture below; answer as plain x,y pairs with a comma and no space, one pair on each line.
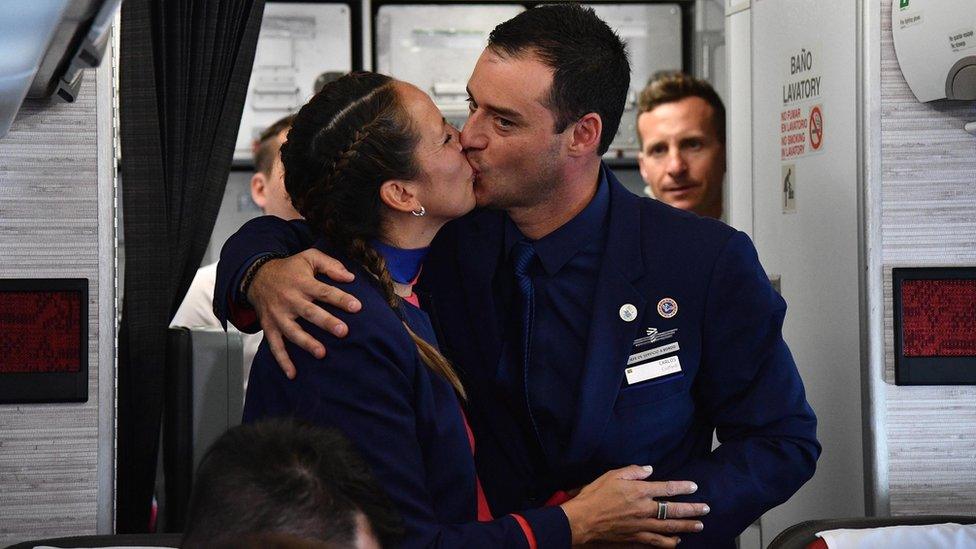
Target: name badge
653,370
652,353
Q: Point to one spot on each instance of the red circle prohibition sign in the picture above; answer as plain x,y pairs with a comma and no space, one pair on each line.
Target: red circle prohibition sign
816,128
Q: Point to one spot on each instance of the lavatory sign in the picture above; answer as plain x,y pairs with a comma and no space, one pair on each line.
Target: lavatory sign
801,119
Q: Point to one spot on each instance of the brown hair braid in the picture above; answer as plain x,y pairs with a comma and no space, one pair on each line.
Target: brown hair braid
374,263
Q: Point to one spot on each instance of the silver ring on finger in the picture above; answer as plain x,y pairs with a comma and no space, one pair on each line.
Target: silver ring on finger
662,510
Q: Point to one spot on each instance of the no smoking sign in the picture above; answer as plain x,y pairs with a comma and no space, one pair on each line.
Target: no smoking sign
815,125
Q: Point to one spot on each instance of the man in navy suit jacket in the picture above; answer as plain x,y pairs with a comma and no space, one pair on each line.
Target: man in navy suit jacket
630,333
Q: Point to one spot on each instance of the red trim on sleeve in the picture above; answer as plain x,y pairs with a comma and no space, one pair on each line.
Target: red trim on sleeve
527,530
240,316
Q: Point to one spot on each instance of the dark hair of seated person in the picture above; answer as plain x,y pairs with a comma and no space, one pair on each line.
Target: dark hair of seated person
286,477
276,541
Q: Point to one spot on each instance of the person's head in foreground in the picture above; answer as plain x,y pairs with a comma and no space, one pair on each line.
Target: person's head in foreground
546,97
681,128
290,480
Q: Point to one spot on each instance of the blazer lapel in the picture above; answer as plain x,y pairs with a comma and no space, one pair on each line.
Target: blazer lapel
479,249
611,336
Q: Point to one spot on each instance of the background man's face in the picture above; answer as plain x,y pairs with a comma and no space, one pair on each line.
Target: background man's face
681,159
509,137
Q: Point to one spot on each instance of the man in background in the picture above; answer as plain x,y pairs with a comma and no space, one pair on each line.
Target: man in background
268,192
289,482
681,129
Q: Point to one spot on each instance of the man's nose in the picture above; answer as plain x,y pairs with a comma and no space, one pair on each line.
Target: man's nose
676,165
472,136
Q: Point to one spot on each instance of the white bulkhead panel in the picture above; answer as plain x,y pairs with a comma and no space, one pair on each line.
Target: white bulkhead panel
298,42
805,214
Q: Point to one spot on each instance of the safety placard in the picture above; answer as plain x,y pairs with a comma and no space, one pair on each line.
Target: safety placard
801,118
789,188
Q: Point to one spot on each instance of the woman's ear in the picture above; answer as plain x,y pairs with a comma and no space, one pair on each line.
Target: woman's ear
399,195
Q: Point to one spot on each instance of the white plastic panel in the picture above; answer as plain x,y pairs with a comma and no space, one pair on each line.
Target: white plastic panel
298,42
653,37
738,112
709,58
931,39
25,31
804,112
435,47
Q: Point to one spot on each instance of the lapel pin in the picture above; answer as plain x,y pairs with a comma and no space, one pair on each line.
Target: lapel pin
628,312
667,307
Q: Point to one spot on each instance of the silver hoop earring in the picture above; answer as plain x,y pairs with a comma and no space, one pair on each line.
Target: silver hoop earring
420,213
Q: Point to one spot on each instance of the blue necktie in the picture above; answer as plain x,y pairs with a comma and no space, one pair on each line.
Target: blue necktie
522,256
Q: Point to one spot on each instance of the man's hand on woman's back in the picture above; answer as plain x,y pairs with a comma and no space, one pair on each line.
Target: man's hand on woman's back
285,289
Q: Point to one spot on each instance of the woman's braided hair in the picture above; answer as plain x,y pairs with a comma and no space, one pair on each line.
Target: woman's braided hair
345,142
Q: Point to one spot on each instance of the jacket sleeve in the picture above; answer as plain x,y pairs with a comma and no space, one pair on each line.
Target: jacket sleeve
749,389
256,238
364,386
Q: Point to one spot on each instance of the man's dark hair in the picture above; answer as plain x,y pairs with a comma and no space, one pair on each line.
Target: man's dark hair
668,87
285,477
591,72
266,147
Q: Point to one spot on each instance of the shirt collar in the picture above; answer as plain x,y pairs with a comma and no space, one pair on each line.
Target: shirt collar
558,247
403,265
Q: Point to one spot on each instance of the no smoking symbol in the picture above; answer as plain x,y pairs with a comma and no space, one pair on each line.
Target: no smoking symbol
816,128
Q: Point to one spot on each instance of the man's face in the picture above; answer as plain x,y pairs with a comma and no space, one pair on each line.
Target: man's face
509,137
268,190
681,159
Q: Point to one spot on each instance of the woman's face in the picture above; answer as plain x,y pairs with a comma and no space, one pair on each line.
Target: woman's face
446,188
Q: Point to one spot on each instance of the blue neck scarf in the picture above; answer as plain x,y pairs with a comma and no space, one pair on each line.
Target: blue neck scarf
404,265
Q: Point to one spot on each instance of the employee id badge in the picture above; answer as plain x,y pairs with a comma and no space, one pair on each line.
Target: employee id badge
653,363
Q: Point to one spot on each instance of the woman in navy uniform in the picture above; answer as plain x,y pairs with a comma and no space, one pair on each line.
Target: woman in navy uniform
376,170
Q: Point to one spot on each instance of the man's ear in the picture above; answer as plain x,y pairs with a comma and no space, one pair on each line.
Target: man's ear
399,195
259,189
586,135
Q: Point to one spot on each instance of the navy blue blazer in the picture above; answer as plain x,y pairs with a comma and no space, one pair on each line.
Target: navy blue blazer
737,377
403,418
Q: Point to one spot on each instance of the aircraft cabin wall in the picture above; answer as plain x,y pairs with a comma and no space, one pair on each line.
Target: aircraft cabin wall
884,181
925,194
56,221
